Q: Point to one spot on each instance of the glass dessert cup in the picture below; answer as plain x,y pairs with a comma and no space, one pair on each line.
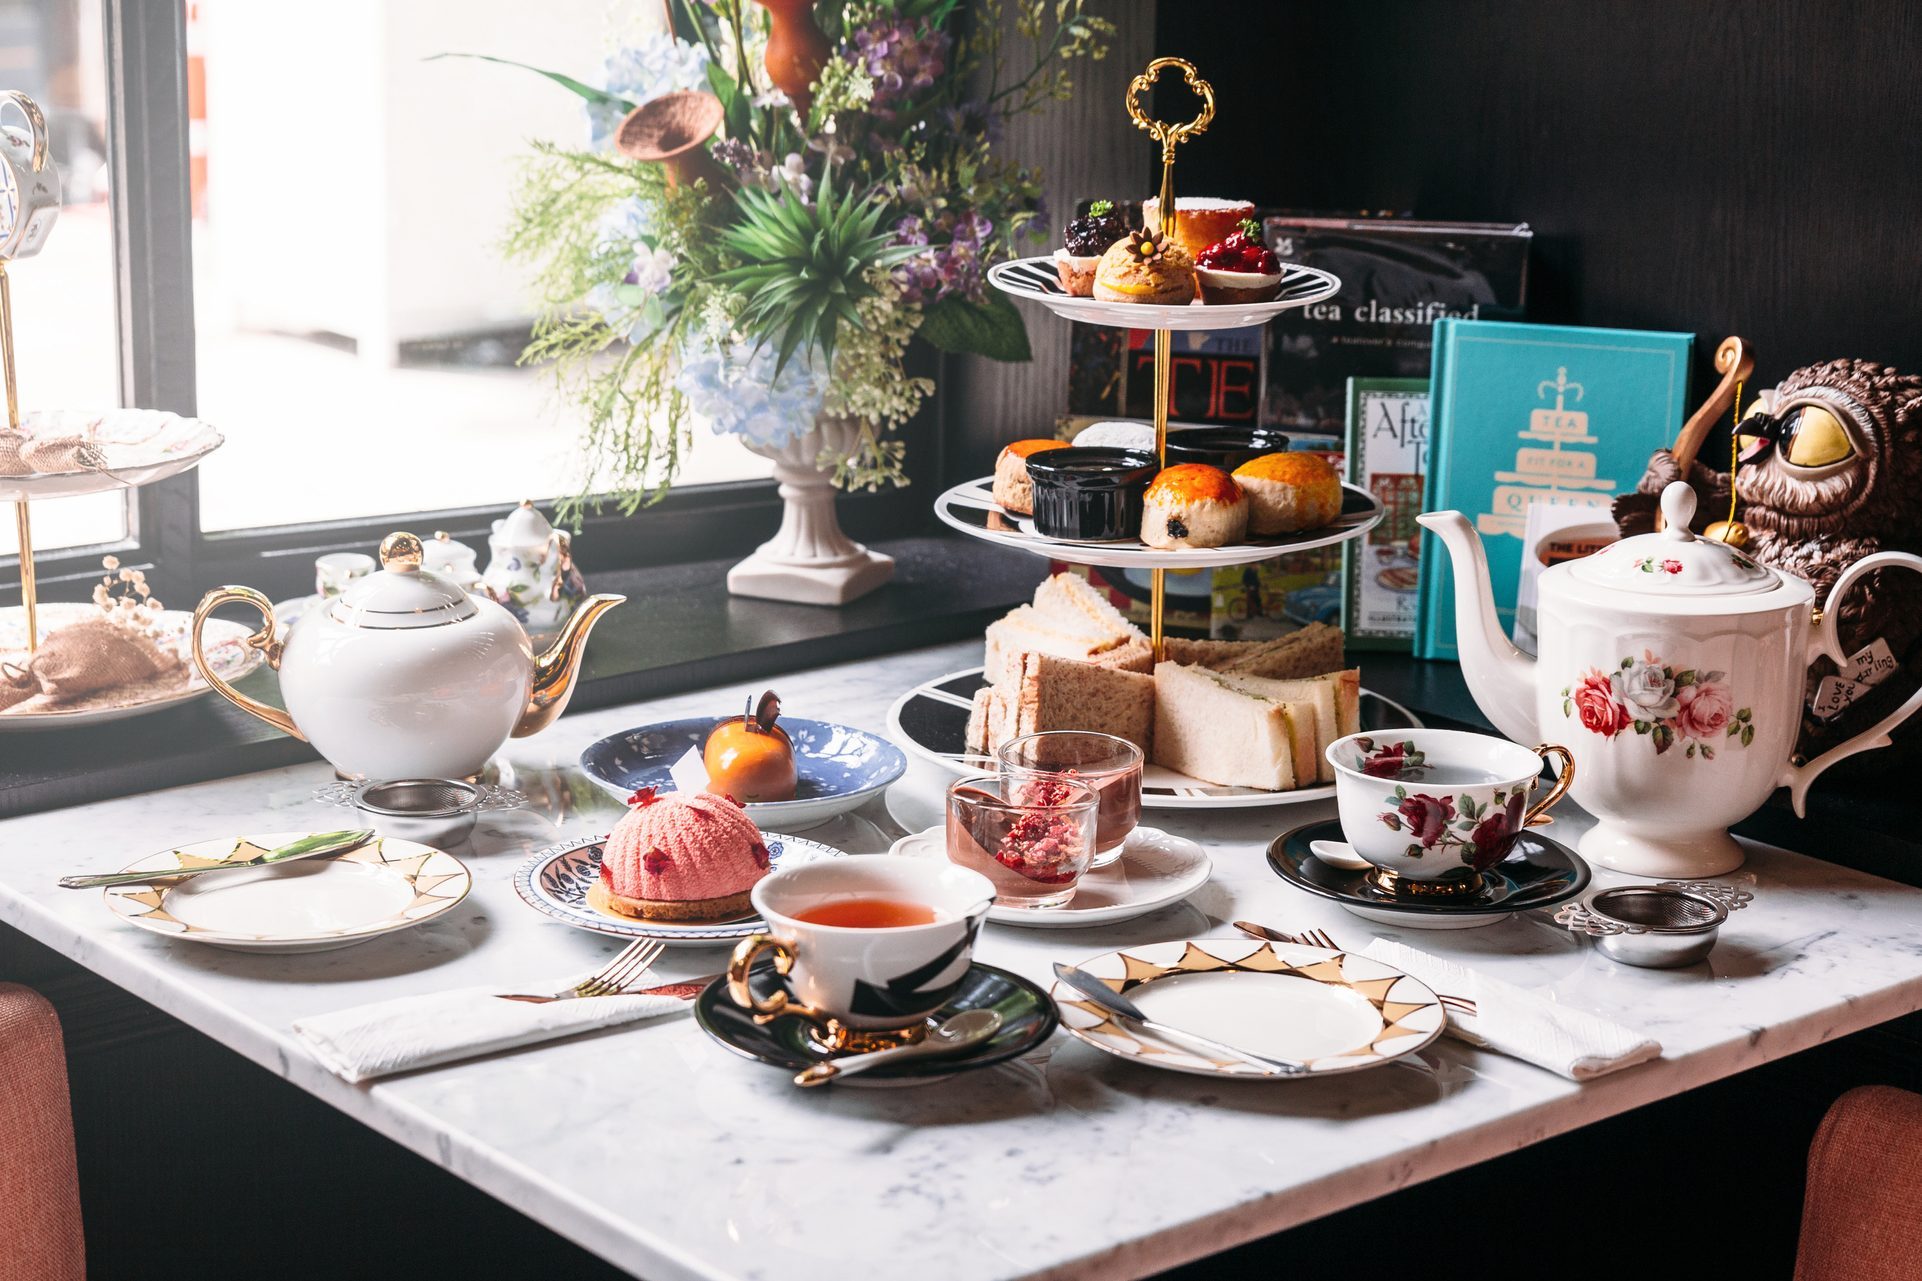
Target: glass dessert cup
1110,765
1031,835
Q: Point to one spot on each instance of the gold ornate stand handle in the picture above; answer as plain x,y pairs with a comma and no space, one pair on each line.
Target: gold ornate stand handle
1537,815
262,640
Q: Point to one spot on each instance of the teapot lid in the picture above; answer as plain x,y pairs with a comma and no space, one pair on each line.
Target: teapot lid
524,527
402,595
443,552
1675,561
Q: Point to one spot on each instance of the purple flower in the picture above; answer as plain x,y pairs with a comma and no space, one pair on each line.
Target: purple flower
903,58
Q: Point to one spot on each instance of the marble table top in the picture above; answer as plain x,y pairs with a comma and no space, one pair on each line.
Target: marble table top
674,1159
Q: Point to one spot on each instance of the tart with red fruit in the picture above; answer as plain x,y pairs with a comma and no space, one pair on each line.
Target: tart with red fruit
1238,268
1086,239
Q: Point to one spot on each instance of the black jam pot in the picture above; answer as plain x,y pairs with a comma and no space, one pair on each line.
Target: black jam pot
1223,447
1090,494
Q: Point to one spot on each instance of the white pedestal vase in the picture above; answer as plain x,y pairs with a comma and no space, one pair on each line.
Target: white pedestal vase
810,561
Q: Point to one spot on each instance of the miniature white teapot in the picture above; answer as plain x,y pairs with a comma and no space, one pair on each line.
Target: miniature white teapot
530,568
405,675
1673,667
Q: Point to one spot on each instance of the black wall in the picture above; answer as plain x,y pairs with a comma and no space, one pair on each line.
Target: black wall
1750,168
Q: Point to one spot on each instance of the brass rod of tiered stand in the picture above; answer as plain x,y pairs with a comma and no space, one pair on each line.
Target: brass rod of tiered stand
22,522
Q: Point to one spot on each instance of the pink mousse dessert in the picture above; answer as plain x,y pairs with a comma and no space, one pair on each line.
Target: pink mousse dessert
680,857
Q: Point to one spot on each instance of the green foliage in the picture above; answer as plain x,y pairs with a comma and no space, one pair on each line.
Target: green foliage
990,328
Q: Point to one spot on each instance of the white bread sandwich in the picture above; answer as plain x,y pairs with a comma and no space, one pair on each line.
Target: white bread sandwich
1069,619
1209,729
1335,696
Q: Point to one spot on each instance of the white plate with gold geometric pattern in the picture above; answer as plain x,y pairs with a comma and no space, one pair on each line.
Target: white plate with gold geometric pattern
1332,1010
311,906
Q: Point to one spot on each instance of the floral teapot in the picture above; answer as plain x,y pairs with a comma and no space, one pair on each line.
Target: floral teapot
405,674
1673,666
530,569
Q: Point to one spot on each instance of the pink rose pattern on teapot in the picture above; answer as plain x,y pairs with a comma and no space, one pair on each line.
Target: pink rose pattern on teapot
1691,707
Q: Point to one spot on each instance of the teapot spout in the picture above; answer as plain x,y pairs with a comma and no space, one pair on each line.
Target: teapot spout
1500,677
556,670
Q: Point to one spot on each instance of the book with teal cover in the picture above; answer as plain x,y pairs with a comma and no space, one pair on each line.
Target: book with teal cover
1522,414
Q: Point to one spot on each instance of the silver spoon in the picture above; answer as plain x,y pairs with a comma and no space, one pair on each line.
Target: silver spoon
953,1034
320,845
1115,1003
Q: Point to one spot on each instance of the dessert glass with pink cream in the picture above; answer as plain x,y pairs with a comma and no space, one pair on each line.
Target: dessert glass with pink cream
1032,836
1110,765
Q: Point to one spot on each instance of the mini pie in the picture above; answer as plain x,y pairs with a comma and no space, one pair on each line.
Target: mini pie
1013,487
1193,505
1290,492
1145,268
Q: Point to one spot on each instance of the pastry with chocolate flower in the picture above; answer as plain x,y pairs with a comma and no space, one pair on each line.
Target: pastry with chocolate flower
1086,239
680,857
1146,268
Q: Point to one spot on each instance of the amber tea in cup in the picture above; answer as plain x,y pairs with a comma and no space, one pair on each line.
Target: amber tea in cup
1110,765
870,914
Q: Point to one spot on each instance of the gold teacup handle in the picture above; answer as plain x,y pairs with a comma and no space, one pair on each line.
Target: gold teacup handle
1167,134
262,640
746,952
1537,815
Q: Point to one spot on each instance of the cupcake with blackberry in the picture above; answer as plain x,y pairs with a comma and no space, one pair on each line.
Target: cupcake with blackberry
1238,268
1147,268
1087,238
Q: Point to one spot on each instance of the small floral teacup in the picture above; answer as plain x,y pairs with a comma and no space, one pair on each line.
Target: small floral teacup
1433,809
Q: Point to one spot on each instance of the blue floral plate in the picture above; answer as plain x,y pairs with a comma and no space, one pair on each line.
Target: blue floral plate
839,767
554,882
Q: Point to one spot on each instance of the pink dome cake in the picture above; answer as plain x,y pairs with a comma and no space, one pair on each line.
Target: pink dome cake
680,857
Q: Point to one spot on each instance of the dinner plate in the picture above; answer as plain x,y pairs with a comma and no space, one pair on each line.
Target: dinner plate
555,882
970,508
140,446
226,647
1027,1019
1037,280
314,905
930,721
1331,1010
1537,873
838,767
1156,869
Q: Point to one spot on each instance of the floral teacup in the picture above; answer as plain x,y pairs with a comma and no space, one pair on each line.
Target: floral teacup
1433,809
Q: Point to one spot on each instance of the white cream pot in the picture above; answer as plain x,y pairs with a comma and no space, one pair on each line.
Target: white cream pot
405,674
1673,667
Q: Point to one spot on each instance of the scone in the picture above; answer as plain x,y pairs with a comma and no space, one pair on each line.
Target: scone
680,858
1145,268
1289,493
1199,220
1193,505
1086,239
1013,488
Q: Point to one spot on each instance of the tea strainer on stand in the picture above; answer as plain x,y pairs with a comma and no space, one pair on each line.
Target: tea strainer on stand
1661,926
431,811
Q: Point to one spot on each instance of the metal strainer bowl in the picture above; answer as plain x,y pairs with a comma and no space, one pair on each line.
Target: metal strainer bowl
432,811
1657,926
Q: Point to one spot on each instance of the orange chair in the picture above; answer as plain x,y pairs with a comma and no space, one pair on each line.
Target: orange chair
1862,1215
40,1236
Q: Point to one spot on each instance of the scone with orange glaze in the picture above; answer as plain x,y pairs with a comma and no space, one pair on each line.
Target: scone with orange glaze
1145,267
1013,488
1193,505
1290,492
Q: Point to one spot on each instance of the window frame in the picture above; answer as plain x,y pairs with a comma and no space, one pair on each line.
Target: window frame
150,207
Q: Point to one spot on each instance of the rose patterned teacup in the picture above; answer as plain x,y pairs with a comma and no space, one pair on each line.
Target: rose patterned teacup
1433,809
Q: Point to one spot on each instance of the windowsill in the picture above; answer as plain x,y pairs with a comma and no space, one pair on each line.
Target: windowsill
679,630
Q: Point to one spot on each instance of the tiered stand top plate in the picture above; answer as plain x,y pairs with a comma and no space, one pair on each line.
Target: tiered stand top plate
141,446
1036,280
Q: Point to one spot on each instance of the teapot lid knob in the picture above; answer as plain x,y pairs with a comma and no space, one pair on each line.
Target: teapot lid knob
1678,509
400,550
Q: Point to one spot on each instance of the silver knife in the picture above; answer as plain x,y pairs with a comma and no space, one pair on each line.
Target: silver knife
317,845
1115,1003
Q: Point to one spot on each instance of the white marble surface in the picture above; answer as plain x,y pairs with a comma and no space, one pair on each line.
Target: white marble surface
673,1158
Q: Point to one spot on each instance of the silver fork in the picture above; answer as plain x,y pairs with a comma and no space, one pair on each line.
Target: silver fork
1321,938
611,979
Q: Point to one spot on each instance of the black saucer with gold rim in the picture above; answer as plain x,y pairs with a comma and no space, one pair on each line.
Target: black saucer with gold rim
790,1042
1538,872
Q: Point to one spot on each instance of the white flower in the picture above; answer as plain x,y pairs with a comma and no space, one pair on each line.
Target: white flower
734,388
653,270
1646,689
792,173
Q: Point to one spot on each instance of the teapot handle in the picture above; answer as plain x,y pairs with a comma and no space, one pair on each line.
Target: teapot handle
262,640
1826,642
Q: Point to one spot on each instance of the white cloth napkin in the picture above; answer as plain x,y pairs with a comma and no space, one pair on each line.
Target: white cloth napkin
1518,1023
409,1032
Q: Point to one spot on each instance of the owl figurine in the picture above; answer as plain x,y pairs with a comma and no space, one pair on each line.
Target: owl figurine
1829,471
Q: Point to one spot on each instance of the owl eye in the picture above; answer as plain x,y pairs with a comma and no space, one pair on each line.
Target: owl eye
1756,431
1814,437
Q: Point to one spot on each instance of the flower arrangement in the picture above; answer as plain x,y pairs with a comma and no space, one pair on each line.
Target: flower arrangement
846,199
1667,705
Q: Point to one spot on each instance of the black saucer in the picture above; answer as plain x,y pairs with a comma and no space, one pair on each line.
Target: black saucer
1537,873
1027,1019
